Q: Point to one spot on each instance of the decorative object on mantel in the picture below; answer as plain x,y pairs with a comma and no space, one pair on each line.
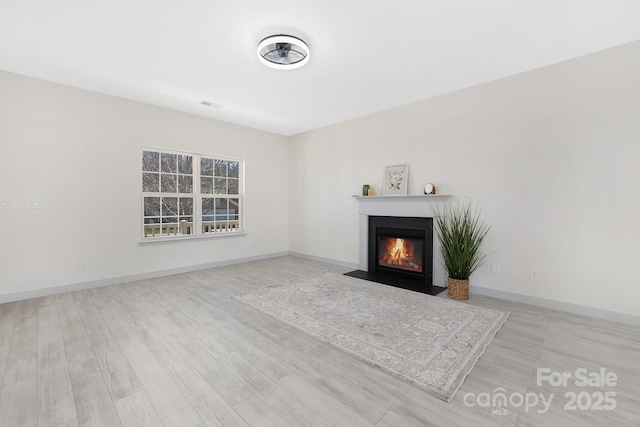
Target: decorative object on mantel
461,234
365,190
429,342
429,189
395,180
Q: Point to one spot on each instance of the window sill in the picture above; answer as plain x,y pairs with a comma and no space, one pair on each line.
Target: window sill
151,240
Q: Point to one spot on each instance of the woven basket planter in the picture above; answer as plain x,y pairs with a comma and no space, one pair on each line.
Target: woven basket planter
458,289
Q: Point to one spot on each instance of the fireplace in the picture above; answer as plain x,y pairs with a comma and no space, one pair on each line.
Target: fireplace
401,247
384,220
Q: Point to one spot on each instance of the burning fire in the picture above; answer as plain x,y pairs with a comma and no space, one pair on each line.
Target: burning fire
398,253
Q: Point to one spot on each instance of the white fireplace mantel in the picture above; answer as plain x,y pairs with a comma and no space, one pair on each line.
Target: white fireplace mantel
407,206
416,205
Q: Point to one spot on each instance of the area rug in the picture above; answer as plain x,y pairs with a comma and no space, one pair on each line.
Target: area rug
429,342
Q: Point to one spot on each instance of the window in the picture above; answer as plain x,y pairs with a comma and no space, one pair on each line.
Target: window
190,194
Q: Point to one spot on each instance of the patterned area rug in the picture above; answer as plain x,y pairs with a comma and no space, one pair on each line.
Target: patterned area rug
431,343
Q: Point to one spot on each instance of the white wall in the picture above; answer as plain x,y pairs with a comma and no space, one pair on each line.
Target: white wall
81,152
552,155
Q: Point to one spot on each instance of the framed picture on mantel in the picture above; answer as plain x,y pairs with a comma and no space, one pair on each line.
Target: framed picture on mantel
395,180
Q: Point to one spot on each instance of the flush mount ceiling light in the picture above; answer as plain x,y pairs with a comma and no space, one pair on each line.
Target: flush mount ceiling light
283,52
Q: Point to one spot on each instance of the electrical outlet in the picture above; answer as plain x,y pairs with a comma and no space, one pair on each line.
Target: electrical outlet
495,269
82,263
7,204
534,275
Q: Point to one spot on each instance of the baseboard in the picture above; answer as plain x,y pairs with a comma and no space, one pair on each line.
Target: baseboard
37,293
583,310
350,265
509,296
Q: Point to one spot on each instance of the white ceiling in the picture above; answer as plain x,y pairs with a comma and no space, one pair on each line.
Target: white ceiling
366,56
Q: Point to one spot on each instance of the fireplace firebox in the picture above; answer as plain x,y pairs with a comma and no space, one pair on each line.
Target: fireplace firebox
400,253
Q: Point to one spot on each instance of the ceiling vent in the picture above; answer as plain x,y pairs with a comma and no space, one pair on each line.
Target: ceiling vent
283,52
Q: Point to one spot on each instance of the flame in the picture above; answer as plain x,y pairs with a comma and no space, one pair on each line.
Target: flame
398,253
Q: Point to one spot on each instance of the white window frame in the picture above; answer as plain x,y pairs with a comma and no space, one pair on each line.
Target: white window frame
200,229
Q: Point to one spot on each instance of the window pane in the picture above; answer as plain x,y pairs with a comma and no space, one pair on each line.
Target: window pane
152,227
168,162
234,169
207,209
206,185
168,183
185,184
152,206
206,167
221,203
221,209
221,185
169,206
186,225
185,164
150,182
233,186
186,206
169,220
234,206
150,161
221,168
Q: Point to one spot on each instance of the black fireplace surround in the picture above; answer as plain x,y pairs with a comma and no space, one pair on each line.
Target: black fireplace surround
415,272
415,228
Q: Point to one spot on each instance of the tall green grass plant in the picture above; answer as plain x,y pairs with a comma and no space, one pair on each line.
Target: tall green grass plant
461,233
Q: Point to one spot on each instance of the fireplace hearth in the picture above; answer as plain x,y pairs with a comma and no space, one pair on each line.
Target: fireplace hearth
400,253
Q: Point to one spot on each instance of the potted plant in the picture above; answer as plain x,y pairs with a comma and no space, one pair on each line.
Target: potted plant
461,234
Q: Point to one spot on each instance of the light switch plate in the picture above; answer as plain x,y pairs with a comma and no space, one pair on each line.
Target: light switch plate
7,204
35,204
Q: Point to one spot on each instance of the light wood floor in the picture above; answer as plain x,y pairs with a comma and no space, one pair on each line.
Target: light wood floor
177,351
